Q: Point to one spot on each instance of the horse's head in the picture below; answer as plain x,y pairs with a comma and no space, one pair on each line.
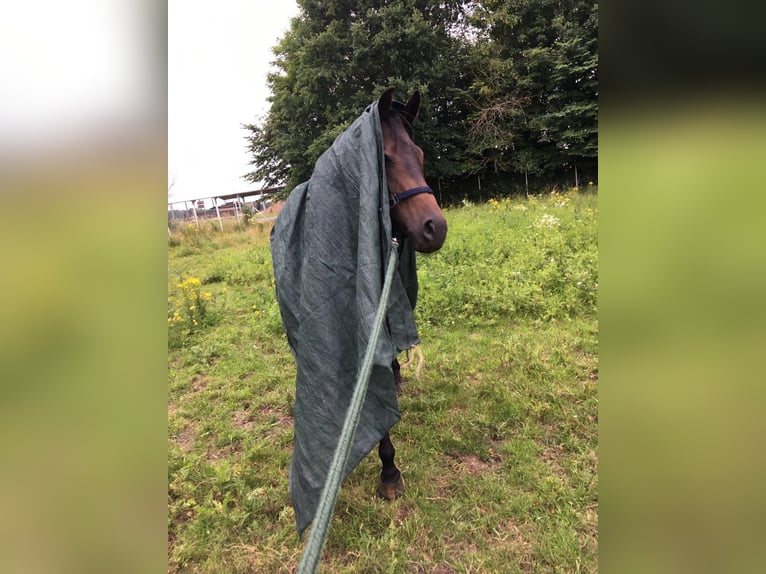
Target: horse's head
414,211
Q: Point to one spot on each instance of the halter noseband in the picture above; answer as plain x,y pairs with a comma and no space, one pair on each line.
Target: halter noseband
396,199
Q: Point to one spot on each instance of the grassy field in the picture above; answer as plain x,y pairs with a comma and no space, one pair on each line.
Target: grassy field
498,437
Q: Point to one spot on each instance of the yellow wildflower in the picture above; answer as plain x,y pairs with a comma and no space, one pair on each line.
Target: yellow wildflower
190,283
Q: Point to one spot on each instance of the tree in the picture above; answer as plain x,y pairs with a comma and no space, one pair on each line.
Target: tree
538,83
510,86
337,57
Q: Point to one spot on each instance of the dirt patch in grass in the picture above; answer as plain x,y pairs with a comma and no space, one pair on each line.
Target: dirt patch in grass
588,534
591,519
199,383
283,420
510,537
473,465
215,454
505,542
474,379
244,419
445,485
172,566
185,438
402,513
551,456
458,412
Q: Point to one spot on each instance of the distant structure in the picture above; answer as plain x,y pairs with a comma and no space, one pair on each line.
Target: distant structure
224,205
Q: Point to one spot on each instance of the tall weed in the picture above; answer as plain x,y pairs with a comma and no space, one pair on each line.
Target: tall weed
189,310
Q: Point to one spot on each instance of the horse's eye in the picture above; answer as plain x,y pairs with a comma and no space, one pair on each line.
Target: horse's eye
388,159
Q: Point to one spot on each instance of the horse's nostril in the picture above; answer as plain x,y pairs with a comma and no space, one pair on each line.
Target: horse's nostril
428,230
433,234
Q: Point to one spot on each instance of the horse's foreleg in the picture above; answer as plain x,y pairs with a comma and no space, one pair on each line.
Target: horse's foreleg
391,481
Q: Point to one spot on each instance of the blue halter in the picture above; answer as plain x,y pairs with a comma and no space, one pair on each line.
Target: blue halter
394,200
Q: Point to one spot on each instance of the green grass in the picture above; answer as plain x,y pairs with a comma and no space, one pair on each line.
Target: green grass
498,438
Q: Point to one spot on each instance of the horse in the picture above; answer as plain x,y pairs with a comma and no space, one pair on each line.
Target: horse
329,246
415,214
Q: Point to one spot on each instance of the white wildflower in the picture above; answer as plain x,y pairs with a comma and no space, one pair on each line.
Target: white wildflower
548,220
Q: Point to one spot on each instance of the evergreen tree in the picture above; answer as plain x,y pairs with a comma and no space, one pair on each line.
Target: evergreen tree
536,87
509,86
337,57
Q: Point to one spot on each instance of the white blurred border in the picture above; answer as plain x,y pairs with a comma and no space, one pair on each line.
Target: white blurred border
80,73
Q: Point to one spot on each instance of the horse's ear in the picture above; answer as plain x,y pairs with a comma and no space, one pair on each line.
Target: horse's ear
384,103
413,107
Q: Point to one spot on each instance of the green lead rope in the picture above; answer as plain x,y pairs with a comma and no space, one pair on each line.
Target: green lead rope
321,523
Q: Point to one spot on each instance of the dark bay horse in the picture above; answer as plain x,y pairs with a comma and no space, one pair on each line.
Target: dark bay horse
329,247
414,214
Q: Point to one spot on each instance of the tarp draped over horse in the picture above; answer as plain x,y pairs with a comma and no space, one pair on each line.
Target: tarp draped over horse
330,246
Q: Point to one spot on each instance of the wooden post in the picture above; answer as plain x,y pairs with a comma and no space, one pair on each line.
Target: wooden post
218,213
526,182
194,210
478,178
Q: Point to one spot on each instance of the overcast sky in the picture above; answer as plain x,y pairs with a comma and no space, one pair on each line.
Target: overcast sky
218,57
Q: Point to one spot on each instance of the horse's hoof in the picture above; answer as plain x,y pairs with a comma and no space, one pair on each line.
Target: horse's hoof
391,490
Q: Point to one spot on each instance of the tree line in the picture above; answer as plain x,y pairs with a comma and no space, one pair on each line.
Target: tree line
510,89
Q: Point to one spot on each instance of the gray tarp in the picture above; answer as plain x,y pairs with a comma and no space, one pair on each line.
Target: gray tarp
330,246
